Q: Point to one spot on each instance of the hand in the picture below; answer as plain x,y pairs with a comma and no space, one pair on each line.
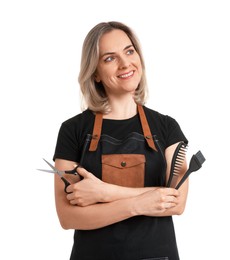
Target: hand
87,191
156,202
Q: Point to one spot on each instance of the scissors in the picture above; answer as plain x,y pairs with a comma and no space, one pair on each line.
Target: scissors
61,173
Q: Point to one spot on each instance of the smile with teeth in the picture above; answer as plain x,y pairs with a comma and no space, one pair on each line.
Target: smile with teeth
123,76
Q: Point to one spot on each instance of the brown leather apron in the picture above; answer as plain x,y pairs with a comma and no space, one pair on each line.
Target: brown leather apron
122,162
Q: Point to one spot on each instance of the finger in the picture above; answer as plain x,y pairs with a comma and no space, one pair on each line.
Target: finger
73,202
169,205
76,166
70,188
76,202
173,192
170,199
70,196
82,172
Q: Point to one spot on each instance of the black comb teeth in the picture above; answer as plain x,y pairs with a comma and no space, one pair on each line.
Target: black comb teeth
177,162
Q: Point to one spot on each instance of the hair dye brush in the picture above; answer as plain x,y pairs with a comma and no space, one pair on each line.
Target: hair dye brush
176,165
195,164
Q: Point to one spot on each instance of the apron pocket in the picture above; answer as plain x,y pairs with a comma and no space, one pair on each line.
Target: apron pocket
126,170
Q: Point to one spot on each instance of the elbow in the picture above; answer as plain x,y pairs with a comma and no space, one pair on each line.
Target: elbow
68,223
65,220
179,210
64,217
64,224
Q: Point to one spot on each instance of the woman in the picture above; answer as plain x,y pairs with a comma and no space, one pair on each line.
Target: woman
116,215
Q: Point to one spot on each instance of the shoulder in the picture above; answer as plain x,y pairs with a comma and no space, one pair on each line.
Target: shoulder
158,118
78,125
86,115
165,127
79,122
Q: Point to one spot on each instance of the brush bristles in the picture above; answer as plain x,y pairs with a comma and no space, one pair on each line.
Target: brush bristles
199,157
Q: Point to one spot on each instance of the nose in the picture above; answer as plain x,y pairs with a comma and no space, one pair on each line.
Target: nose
123,63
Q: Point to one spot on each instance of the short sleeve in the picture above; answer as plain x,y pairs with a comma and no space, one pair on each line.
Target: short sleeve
67,145
174,132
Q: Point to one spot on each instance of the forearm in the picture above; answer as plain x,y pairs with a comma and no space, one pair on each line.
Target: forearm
114,192
162,202
159,202
125,203
95,216
91,190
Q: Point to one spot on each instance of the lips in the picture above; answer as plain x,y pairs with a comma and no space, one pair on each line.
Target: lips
126,75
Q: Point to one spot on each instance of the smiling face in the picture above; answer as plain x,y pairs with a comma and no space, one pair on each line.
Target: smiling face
119,67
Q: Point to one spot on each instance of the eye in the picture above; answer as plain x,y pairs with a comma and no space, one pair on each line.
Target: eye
109,59
130,51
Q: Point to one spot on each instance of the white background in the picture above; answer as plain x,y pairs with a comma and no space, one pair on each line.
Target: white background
187,54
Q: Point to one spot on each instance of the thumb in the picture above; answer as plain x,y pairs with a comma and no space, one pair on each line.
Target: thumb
82,172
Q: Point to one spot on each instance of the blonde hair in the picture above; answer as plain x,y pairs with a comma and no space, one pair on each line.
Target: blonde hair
94,95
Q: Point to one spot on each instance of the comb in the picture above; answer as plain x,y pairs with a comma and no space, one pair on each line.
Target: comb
176,165
195,164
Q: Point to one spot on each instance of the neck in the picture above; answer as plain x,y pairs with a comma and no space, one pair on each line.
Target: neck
122,109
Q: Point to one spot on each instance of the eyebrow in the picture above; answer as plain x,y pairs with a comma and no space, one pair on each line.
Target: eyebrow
111,53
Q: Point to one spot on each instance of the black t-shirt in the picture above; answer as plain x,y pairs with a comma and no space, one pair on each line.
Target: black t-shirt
135,238
74,130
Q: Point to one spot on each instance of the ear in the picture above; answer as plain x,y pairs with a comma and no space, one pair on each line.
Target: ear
97,78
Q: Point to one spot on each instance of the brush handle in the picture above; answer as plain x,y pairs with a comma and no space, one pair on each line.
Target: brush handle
188,172
194,165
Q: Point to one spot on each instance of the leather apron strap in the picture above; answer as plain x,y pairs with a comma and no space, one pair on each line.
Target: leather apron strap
145,126
98,126
96,132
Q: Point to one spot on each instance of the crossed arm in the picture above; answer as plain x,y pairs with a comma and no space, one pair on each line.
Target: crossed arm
93,203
